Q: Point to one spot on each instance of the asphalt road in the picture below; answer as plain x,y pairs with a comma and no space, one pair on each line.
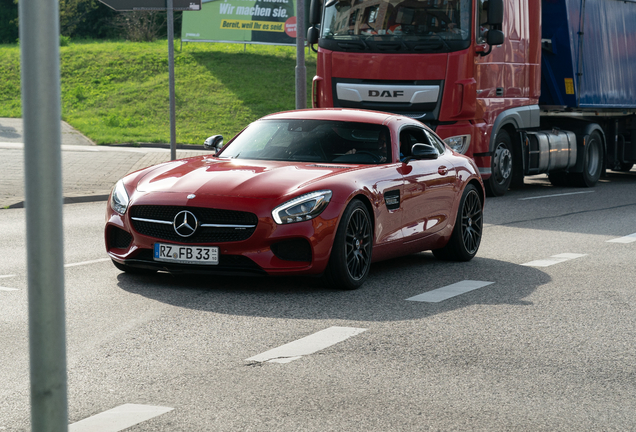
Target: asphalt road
548,344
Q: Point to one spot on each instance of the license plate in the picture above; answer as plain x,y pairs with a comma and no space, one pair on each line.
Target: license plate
186,254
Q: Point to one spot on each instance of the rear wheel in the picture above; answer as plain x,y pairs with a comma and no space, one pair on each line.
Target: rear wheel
501,165
350,258
592,162
466,237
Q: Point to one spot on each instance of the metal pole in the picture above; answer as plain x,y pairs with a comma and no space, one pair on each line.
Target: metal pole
301,70
41,112
173,133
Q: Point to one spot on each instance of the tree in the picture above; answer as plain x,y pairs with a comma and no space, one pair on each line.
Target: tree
9,21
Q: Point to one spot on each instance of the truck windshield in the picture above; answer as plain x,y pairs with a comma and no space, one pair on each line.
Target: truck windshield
396,25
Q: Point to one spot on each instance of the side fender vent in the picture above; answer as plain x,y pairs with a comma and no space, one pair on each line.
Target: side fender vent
392,199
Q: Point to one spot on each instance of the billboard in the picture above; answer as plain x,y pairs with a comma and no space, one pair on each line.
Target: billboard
245,21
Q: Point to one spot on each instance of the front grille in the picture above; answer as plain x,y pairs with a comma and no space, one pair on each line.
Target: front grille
118,238
204,216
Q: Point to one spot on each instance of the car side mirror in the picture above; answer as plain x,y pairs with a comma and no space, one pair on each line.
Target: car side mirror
424,151
213,143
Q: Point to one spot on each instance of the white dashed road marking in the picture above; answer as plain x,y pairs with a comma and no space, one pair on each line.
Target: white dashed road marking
627,239
119,418
87,262
554,259
6,276
555,195
8,289
307,345
449,291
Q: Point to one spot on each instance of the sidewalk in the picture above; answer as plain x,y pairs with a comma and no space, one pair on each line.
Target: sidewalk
88,171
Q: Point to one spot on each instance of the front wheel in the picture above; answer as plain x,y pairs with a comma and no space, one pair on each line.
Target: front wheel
501,166
350,259
466,237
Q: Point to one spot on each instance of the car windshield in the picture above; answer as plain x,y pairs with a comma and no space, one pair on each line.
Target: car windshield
311,141
396,25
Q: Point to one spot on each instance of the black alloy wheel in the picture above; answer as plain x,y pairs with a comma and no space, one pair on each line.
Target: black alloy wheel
350,259
466,237
501,165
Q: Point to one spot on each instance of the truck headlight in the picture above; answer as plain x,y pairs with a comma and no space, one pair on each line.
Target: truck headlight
119,198
303,208
459,143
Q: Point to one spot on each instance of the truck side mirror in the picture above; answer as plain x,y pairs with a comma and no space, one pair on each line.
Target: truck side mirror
214,143
312,35
315,12
495,12
495,37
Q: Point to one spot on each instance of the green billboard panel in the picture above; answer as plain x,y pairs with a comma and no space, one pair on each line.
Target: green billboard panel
246,21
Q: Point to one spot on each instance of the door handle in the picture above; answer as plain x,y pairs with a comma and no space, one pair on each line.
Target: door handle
442,170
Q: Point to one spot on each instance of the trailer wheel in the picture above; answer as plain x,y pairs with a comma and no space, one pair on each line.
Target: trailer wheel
501,165
592,162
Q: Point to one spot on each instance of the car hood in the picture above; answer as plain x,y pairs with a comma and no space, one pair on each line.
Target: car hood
237,178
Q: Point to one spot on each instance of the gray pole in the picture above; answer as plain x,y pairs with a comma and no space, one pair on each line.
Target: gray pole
301,70
41,112
173,133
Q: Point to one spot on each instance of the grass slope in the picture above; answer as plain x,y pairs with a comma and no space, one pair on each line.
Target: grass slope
117,92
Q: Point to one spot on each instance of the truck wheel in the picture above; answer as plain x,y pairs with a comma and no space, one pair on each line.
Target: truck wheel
592,162
501,165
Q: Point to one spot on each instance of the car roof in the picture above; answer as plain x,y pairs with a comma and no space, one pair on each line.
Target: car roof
337,114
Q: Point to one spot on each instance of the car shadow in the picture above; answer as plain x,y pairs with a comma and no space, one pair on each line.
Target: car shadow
381,298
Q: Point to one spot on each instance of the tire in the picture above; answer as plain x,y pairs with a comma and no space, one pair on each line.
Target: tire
466,237
132,270
592,162
350,258
501,166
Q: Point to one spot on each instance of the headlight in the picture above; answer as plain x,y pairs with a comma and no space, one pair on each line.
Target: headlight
458,143
303,208
119,198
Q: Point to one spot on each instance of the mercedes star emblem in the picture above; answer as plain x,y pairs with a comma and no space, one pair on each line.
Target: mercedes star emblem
185,223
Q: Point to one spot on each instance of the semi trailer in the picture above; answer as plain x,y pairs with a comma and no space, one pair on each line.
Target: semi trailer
524,87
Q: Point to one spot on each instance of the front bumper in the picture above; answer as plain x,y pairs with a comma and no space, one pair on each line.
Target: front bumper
300,248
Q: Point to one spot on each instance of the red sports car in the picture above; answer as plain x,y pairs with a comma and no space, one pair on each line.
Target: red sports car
308,192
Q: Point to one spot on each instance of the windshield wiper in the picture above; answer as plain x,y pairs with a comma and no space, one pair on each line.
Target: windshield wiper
359,44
